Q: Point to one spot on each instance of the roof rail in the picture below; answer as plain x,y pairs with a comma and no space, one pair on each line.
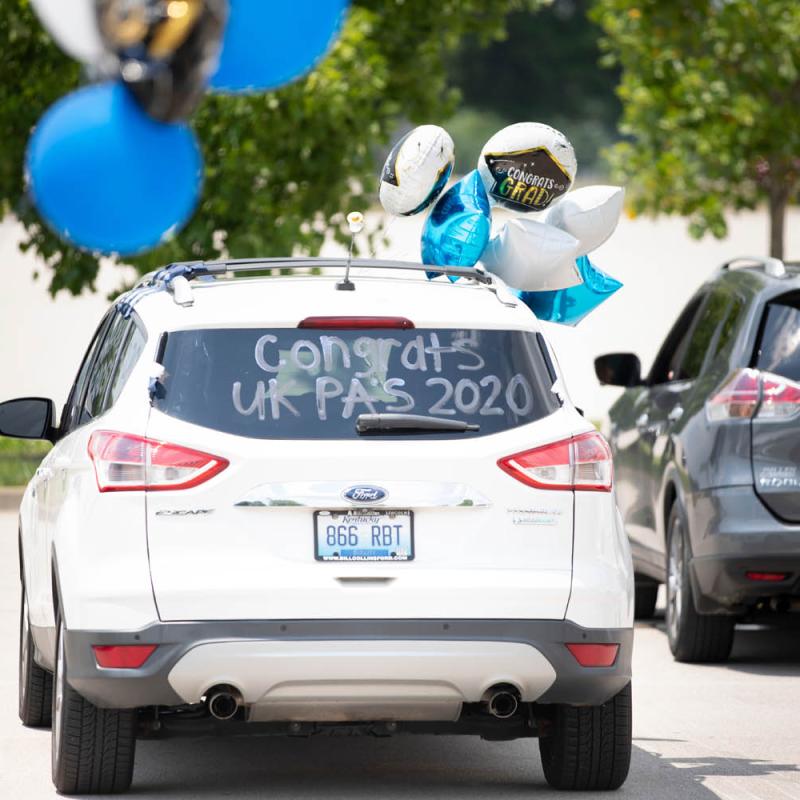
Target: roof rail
773,267
175,278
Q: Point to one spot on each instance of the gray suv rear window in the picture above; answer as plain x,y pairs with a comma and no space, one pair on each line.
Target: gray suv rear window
313,384
779,344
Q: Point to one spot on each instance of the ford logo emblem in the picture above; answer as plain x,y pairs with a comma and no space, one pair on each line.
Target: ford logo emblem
365,494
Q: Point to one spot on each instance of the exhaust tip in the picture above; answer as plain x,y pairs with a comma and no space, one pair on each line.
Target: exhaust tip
223,702
501,701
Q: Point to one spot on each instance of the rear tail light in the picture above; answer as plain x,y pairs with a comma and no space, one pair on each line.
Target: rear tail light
780,397
355,323
749,393
767,577
737,399
594,655
124,462
582,463
122,656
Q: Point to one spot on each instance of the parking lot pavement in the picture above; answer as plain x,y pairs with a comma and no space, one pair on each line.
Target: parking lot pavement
727,732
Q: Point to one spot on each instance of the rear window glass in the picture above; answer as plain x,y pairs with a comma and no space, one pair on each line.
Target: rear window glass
779,346
313,384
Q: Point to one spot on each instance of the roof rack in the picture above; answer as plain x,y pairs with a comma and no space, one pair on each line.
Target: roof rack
175,278
773,267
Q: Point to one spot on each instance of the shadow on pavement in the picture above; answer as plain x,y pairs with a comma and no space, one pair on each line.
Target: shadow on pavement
757,649
421,767
766,651
730,767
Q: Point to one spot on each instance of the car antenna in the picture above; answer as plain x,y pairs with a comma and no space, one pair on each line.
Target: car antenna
355,221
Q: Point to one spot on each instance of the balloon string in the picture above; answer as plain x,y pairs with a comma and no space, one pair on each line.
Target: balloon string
407,253
386,230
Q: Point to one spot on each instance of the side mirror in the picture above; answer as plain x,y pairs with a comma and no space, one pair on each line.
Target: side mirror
618,369
27,418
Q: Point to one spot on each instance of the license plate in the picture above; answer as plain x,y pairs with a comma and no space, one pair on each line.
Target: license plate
364,535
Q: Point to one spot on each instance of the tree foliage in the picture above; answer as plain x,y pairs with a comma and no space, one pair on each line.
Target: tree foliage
710,92
546,69
281,168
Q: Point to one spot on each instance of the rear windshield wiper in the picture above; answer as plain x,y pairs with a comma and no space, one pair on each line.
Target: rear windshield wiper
409,423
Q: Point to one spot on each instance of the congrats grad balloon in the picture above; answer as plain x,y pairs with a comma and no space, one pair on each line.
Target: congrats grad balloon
527,166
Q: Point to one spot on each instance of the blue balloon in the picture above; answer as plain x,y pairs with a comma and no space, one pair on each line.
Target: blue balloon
267,44
457,230
106,177
570,306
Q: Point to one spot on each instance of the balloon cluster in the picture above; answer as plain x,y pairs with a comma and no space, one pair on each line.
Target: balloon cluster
114,166
529,168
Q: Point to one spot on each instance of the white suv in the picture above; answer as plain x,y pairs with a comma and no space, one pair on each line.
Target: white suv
296,505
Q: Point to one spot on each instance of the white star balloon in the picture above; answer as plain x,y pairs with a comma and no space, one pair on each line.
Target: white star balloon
589,214
533,256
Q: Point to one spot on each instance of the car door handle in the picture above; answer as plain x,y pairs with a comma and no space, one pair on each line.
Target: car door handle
675,414
44,473
647,428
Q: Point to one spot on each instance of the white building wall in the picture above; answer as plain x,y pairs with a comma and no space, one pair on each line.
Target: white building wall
42,339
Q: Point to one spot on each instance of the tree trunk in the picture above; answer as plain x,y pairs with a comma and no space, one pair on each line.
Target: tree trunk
778,200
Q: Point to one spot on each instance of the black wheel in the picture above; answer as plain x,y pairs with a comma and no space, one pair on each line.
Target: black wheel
92,748
35,682
646,592
693,638
589,747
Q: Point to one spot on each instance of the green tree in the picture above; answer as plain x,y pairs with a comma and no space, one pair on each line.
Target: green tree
281,168
710,92
546,69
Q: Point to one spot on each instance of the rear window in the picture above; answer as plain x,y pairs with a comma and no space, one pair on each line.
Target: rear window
779,343
313,384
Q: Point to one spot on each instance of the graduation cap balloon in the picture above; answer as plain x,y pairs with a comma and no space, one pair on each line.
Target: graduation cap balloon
527,166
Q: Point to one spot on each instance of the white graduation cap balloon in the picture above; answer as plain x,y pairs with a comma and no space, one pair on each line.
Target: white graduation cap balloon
527,166
73,24
533,256
417,170
590,214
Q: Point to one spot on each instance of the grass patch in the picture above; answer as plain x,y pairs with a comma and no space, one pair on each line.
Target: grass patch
19,459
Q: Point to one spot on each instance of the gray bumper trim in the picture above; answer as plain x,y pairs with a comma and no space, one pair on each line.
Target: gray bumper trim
148,686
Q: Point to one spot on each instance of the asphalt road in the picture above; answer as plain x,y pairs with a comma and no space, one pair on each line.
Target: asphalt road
700,732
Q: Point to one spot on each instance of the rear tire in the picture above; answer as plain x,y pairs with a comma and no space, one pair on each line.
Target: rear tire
92,748
693,638
589,747
35,682
646,593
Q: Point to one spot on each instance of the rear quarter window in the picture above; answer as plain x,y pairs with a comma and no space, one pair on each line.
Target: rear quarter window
778,348
313,384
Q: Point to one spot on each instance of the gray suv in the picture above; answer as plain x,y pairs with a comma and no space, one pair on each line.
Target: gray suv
707,456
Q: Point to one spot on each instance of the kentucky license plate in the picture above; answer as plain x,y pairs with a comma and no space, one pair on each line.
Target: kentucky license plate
364,535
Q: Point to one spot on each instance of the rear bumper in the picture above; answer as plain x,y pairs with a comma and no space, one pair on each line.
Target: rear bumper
385,658
722,581
733,534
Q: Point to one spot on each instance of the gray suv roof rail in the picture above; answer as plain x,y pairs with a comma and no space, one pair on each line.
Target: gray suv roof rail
773,267
175,278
